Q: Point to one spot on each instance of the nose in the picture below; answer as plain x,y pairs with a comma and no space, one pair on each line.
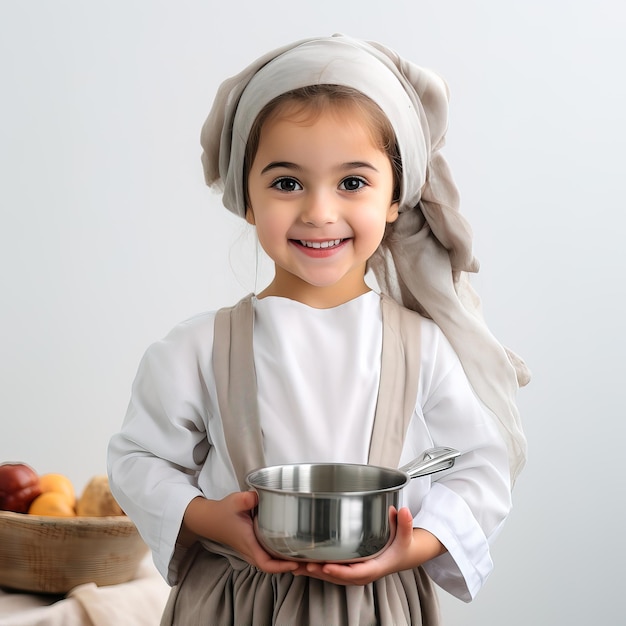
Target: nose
319,208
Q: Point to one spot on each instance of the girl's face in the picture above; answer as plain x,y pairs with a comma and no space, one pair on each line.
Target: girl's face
320,195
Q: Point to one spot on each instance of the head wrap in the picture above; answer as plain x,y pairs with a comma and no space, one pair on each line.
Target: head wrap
424,259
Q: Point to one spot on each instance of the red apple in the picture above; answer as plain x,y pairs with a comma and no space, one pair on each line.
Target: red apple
19,486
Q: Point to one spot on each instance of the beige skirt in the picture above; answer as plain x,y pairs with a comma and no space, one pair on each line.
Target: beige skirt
222,590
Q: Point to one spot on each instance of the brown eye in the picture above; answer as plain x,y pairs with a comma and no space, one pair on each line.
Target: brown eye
287,184
352,183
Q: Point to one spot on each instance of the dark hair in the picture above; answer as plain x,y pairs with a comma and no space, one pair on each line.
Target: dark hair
314,100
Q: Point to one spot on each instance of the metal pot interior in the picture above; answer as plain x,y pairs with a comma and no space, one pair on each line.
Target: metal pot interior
327,478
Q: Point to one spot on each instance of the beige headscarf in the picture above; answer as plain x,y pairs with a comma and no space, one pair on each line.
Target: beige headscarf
424,259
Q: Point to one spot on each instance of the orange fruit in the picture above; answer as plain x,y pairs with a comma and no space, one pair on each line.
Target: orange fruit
58,483
53,504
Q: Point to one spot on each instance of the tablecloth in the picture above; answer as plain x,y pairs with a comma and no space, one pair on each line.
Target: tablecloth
138,602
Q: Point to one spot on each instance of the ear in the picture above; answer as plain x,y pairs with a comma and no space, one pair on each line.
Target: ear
392,212
250,216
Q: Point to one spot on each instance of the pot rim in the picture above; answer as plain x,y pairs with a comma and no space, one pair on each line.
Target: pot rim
402,476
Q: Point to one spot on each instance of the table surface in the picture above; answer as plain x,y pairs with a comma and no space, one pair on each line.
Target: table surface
139,602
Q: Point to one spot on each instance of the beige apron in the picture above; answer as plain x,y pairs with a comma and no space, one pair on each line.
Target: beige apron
216,587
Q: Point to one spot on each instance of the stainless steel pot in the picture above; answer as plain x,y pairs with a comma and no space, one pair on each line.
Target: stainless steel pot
333,512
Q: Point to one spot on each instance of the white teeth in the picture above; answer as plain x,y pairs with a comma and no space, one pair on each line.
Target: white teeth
321,244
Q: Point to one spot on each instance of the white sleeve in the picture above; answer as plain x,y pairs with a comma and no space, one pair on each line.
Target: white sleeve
465,506
153,462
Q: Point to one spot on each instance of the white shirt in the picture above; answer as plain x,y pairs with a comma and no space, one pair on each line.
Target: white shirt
317,373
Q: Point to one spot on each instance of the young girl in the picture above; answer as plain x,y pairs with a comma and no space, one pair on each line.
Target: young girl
330,148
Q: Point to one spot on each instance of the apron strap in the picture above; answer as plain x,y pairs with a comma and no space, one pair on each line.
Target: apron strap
399,377
235,379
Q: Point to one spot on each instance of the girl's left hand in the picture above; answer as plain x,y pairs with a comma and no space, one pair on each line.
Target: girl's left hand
410,548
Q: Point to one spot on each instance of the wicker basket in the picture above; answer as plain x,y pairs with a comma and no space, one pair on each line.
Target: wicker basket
54,554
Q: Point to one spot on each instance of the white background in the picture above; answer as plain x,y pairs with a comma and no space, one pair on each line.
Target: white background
108,236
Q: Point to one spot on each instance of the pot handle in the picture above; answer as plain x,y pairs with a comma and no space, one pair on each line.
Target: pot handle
433,460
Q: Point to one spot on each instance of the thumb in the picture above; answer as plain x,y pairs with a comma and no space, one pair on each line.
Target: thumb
405,523
246,500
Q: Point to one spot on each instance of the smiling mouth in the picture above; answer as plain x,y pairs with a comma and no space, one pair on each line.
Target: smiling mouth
320,244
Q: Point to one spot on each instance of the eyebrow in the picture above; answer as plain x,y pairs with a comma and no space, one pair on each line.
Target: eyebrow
280,164
294,166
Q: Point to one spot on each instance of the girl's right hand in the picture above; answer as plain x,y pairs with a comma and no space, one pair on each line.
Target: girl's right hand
229,521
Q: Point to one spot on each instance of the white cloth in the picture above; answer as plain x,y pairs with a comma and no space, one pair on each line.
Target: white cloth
318,376
138,602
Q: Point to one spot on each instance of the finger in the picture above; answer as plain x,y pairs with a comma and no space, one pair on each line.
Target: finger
314,569
265,562
404,524
326,572
300,570
393,520
275,566
354,574
246,501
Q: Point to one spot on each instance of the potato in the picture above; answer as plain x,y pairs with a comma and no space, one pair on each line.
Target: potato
97,499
